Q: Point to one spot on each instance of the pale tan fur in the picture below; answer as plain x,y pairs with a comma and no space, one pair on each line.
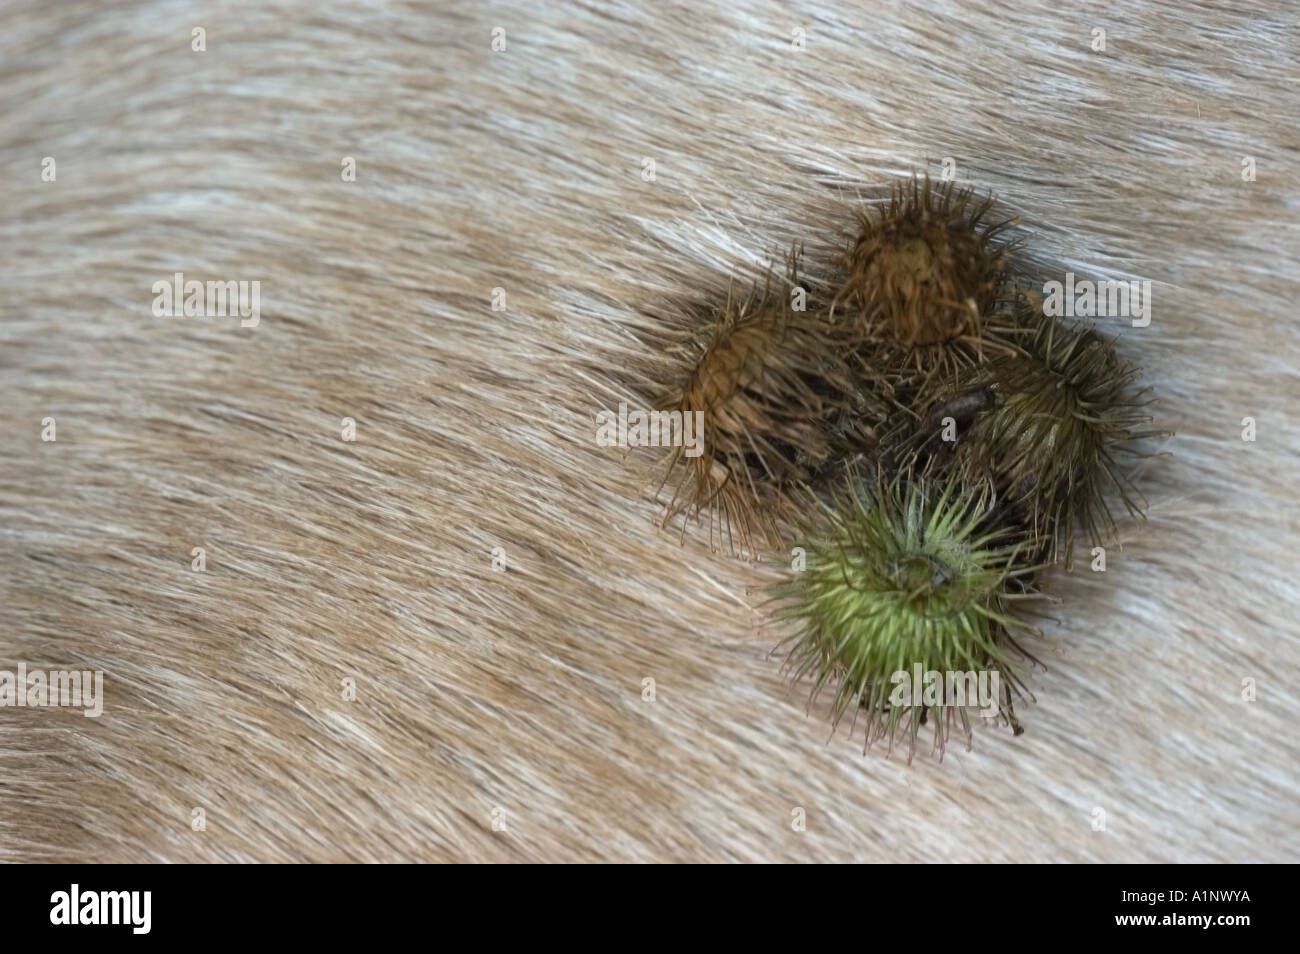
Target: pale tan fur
523,170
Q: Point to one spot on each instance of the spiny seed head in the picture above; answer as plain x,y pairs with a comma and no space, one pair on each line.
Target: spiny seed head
903,572
1060,413
923,276
767,380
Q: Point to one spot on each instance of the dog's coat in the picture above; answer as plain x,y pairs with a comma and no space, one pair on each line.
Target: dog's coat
433,642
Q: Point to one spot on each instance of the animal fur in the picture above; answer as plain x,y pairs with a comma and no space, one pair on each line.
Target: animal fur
522,691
